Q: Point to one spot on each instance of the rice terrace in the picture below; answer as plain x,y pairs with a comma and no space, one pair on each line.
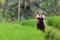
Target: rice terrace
29,19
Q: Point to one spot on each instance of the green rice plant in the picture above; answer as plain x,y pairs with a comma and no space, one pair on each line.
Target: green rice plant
54,21
52,33
13,31
31,23
26,31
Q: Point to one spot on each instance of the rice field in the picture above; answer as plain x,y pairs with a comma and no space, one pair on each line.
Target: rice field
26,30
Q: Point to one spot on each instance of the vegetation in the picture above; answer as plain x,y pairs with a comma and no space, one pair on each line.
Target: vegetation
11,29
29,8
54,21
14,31
26,30
31,23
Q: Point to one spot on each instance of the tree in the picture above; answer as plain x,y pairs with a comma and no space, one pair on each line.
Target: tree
50,6
19,18
54,6
29,7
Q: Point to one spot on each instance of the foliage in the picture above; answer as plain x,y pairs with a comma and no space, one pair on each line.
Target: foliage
2,1
54,21
13,31
25,30
51,33
51,7
31,23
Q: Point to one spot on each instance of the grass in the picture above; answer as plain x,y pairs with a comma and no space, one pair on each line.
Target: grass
26,30
54,21
53,33
50,30
31,23
13,31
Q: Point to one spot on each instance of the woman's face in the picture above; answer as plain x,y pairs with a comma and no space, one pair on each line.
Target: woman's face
40,12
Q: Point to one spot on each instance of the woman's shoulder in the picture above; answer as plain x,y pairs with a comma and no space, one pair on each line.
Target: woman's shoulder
43,16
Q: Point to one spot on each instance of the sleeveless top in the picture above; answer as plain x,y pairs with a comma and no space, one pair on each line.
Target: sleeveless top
40,18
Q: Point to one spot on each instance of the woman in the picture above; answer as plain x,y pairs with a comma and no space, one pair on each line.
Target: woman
40,21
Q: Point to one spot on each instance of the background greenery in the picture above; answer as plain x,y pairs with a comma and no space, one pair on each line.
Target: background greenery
28,8
26,29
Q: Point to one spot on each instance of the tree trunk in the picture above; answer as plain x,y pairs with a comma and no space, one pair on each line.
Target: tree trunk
19,18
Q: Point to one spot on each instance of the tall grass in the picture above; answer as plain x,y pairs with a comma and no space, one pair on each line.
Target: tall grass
13,31
50,32
25,30
31,23
54,21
